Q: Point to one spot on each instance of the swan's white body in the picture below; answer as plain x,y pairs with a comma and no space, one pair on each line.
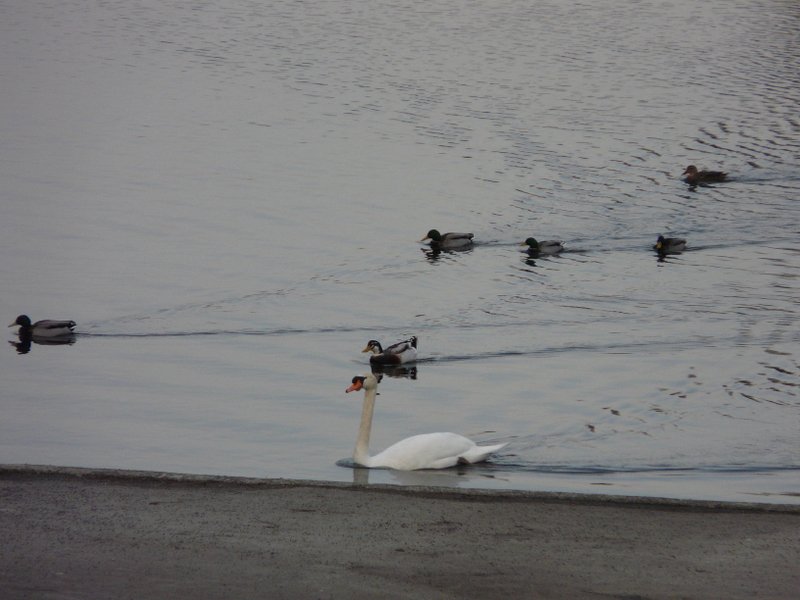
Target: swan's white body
425,451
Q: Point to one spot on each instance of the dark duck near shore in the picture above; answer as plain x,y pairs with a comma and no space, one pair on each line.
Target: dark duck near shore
694,177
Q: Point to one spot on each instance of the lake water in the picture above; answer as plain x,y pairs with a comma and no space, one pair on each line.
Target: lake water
226,196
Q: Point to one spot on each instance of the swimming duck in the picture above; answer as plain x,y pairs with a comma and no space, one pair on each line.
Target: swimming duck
396,354
693,176
536,248
448,241
669,245
45,328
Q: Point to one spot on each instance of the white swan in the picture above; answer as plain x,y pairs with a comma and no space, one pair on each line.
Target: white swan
425,451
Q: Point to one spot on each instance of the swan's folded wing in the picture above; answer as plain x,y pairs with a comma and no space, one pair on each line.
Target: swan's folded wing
432,451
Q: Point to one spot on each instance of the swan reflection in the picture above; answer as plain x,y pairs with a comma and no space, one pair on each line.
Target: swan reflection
459,476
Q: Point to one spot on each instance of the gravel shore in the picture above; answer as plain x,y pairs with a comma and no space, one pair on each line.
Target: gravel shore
80,533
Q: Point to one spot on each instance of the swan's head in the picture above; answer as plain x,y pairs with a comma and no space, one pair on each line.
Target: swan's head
660,242
531,243
373,346
690,170
432,235
363,382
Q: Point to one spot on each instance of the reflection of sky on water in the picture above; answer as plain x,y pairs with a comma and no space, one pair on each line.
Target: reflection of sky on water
229,221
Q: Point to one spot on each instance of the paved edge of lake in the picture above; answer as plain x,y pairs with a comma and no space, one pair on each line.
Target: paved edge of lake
426,491
74,532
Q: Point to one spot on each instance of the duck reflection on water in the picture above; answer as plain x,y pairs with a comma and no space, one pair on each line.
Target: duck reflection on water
397,371
23,346
435,254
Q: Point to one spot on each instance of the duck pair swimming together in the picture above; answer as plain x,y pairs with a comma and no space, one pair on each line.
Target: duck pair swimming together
662,246
45,328
452,240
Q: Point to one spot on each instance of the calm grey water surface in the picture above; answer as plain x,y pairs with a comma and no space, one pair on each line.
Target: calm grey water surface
227,196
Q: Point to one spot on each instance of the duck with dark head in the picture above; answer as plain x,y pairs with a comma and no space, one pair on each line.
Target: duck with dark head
693,176
396,354
46,328
448,241
666,245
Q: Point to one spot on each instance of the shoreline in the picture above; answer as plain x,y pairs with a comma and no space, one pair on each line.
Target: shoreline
142,476
103,533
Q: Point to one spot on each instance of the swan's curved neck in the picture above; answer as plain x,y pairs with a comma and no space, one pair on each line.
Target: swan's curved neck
361,453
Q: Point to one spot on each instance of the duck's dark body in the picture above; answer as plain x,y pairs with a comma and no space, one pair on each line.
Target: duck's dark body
695,177
669,245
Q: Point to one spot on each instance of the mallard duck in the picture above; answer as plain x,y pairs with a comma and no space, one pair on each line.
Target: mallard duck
448,241
396,354
46,328
669,245
693,176
536,248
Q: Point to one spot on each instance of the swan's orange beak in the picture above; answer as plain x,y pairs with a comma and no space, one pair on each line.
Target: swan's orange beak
357,385
425,239
367,348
